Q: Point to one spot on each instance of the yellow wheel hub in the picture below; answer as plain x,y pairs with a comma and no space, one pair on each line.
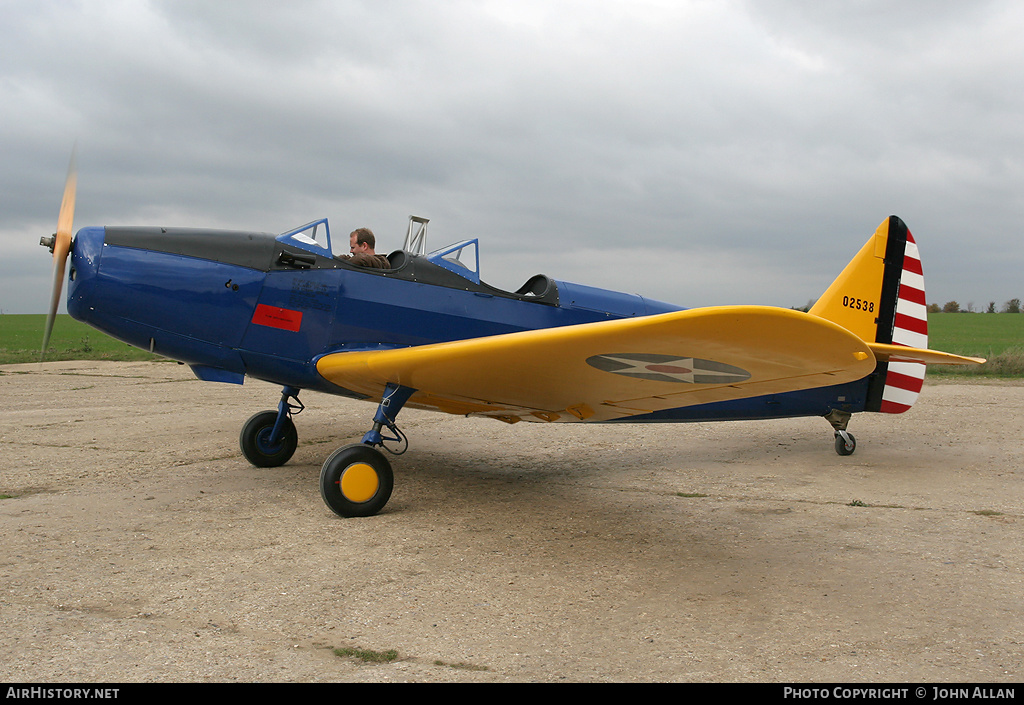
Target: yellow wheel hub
359,482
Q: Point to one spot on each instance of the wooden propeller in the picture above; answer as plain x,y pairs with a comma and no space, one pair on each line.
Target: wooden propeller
60,245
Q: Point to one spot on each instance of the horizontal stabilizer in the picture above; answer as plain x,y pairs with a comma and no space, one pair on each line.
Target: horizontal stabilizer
929,357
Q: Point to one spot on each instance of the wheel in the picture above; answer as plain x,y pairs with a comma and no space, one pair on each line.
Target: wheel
845,446
255,440
356,481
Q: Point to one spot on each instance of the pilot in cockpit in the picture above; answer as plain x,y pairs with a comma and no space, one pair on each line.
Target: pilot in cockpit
361,244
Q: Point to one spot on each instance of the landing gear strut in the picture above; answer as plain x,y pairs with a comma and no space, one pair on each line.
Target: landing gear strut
356,481
845,442
268,439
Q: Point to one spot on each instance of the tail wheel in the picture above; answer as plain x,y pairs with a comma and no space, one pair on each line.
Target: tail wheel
356,481
845,443
255,440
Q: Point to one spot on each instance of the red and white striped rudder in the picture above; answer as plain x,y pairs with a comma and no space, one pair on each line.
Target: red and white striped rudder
903,380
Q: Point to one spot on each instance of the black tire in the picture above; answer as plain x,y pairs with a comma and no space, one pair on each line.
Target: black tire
841,445
254,440
356,481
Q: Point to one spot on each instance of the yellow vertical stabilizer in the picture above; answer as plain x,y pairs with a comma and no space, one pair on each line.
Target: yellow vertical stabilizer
854,300
879,297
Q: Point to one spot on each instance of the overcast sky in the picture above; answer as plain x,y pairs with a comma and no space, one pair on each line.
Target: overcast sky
695,152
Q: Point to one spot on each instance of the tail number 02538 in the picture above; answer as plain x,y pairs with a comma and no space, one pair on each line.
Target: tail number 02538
859,304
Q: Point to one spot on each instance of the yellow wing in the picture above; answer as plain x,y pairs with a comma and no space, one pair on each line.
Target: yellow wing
614,369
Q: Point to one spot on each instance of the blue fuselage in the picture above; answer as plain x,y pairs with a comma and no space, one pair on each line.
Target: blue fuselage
235,304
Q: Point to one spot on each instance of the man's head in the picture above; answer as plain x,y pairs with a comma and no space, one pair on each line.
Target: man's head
361,241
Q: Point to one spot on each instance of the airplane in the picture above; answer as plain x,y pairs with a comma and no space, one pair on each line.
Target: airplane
429,333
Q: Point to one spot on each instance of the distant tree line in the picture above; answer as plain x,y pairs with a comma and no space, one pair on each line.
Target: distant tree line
1011,306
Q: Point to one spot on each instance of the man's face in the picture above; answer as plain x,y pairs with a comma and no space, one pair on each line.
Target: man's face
355,247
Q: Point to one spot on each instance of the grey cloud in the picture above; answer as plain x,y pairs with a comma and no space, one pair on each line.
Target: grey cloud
767,138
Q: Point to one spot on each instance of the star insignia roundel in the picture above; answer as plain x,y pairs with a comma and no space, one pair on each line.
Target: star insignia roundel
668,368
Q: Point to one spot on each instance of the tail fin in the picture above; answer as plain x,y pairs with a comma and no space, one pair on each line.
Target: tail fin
879,296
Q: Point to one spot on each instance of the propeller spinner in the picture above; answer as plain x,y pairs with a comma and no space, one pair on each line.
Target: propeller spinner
60,245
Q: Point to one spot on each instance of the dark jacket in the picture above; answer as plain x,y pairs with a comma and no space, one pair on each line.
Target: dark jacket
363,260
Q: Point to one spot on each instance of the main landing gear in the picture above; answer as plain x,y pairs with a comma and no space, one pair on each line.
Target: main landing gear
845,442
356,481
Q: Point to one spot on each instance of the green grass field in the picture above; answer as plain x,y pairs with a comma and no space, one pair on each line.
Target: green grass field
999,337
977,334
21,338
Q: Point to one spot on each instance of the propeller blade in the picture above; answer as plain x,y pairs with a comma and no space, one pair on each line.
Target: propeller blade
61,248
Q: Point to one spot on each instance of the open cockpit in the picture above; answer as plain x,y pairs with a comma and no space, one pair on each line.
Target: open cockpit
455,266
